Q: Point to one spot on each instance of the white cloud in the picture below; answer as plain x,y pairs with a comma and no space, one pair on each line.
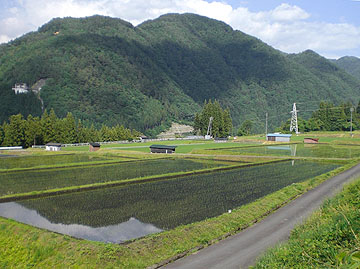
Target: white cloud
286,27
4,38
286,12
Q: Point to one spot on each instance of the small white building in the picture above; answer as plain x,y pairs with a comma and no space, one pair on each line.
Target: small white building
53,146
20,88
278,137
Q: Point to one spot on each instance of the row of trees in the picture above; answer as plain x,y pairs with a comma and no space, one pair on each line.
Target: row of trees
221,123
49,128
328,118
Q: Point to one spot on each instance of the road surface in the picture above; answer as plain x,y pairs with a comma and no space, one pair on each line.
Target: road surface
241,250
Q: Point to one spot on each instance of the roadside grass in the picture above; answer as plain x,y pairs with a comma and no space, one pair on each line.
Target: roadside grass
24,245
330,238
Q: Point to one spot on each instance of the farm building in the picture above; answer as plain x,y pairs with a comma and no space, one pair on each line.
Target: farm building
162,149
309,140
94,147
143,138
53,146
278,137
220,139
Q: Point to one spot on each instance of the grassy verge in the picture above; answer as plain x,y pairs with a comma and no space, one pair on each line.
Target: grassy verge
330,238
27,245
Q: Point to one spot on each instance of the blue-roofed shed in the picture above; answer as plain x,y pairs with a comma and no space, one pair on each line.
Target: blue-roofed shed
278,137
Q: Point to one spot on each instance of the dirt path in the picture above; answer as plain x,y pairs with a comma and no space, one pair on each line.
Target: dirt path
241,250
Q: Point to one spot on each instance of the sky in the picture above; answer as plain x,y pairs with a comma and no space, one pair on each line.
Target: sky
329,27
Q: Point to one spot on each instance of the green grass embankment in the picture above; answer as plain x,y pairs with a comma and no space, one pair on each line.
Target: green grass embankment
24,245
330,238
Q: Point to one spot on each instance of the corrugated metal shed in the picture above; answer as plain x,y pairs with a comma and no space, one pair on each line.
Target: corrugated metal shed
162,149
278,137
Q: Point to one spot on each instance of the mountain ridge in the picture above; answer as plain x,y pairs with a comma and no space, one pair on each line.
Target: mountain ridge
350,64
105,70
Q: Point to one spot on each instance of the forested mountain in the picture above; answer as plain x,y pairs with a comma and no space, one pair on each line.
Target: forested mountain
350,64
106,71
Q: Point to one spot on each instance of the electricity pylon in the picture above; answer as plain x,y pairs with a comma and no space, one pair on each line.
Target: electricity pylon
208,133
294,122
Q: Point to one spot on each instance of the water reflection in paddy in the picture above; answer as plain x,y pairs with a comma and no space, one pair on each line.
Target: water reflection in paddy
302,150
118,233
122,213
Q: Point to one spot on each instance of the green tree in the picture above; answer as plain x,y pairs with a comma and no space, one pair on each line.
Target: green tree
221,123
92,135
245,128
80,132
68,129
106,134
48,125
1,134
312,125
14,132
33,131
227,122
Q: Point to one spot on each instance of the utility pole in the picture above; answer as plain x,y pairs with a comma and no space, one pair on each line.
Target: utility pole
351,111
266,124
294,122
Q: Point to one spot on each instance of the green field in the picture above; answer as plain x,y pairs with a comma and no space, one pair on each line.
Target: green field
296,150
183,146
36,180
170,203
190,207
50,160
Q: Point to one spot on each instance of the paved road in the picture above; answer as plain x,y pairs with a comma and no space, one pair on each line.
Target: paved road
241,250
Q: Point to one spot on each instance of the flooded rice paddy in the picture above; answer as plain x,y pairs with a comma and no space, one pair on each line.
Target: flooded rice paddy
122,213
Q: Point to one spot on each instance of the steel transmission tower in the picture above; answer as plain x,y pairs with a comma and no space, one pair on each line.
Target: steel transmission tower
294,122
208,133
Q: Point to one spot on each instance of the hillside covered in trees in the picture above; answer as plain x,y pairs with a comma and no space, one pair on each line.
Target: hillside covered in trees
350,64
106,71
328,117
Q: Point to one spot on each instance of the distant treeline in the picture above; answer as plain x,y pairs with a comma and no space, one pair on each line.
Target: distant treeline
328,118
49,128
